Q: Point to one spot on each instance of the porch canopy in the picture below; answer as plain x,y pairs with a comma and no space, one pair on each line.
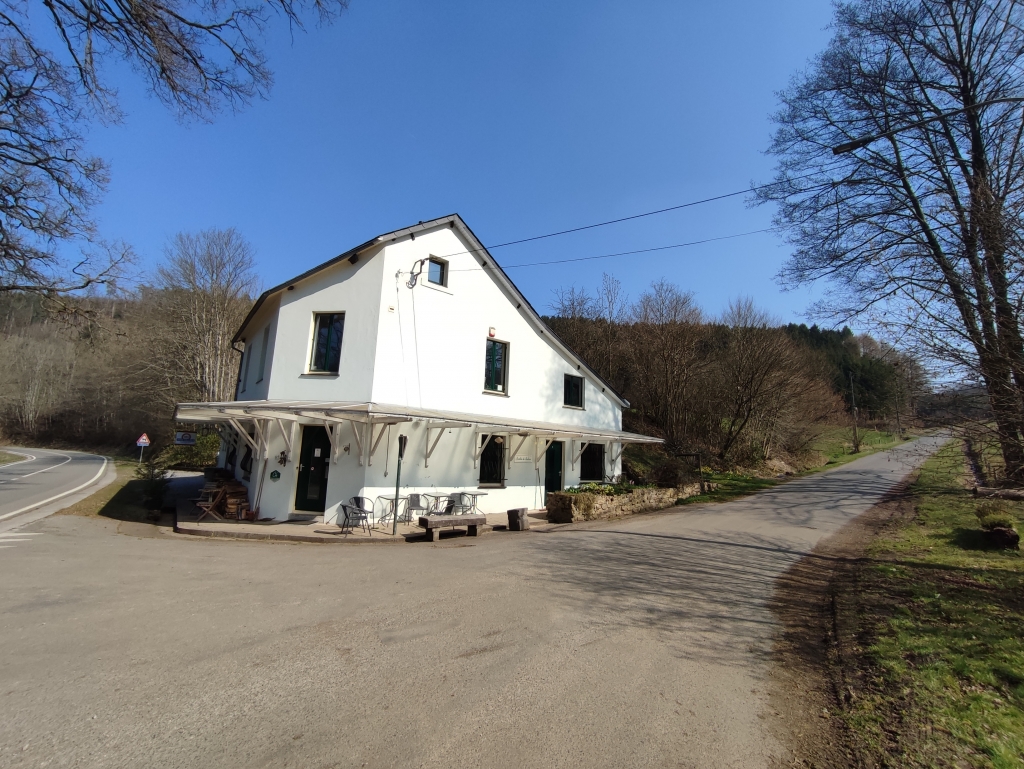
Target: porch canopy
368,421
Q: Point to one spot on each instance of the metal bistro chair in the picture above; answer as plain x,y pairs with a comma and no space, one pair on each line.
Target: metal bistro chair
454,504
416,506
358,511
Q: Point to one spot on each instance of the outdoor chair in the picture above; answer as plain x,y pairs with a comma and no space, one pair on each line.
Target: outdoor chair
463,503
354,516
364,504
416,506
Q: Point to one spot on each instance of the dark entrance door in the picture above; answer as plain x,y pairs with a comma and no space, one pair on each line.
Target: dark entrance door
314,458
553,467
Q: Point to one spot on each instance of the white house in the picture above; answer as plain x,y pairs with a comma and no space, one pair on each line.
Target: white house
419,333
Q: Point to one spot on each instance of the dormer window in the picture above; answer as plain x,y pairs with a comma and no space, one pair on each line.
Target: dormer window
437,272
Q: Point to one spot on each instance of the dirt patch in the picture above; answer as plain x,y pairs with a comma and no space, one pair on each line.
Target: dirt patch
816,656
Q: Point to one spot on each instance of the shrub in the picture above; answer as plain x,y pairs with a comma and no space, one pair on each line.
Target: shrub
987,507
153,475
671,473
196,457
997,521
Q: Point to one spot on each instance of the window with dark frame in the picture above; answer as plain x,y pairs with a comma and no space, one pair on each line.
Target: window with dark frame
592,463
496,367
573,391
437,272
327,333
492,461
263,354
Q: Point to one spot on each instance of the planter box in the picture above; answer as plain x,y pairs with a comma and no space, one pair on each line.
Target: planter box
570,508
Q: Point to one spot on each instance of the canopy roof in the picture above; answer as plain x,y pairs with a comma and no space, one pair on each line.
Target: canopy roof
384,413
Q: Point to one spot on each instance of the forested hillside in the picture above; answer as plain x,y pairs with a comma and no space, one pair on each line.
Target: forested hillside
740,387
98,371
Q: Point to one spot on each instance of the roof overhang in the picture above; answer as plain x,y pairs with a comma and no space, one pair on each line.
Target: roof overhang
383,413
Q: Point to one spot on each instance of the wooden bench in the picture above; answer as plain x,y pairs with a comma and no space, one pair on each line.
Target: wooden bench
434,523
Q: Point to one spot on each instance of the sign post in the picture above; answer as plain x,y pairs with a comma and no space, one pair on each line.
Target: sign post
402,440
142,442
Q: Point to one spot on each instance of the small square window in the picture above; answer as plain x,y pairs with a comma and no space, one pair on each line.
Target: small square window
573,391
327,332
496,367
437,272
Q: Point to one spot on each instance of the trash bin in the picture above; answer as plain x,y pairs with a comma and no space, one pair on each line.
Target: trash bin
517,520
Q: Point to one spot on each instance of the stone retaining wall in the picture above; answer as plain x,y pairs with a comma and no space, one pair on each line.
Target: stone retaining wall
570,508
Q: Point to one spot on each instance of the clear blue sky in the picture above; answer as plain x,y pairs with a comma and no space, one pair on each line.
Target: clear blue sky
524,117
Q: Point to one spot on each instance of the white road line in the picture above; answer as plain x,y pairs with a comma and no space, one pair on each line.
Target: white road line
28,458
29,475
54,499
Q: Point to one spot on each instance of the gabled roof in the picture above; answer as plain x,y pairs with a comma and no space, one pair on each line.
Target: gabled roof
487,261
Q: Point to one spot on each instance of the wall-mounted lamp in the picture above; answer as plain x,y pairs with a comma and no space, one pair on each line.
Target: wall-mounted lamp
347,447
353,259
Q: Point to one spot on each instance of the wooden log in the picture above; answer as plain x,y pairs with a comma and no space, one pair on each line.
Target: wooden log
986,491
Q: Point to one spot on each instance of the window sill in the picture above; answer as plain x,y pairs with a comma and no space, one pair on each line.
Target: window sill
495,393
574,408
436,287
320,374
491,486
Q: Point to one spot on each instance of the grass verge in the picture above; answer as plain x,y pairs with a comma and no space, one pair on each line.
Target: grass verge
836,445
6,458
730,486
938,677
121,500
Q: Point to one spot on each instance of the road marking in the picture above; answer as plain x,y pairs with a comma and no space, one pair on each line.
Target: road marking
28,458
10,540
54,499
29,475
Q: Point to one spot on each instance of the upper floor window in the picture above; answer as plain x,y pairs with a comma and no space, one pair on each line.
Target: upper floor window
263,354
496,367
573,391
247,360
437,272
327,332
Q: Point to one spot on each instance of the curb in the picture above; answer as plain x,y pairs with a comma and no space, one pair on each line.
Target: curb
269,537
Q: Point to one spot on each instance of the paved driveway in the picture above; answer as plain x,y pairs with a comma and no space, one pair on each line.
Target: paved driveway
640,643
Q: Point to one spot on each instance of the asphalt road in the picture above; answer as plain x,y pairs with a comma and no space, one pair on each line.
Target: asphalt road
45,477
639,643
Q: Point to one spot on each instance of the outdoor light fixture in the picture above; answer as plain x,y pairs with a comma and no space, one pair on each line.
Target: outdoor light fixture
491,332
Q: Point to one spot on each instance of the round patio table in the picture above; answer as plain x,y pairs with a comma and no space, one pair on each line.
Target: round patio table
390,499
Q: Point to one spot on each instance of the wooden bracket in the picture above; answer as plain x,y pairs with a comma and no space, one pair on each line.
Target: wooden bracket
384,426
576,457
512,454
538,455
244,434
477,453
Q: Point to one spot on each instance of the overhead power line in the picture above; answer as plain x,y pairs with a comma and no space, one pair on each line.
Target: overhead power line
643,215
620,253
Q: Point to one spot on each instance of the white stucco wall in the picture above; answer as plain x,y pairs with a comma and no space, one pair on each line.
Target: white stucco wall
422,347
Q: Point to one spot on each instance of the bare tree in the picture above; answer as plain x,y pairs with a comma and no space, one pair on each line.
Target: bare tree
921,228
206,289
196,56
664,350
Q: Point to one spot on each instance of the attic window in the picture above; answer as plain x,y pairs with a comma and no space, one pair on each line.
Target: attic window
437,272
